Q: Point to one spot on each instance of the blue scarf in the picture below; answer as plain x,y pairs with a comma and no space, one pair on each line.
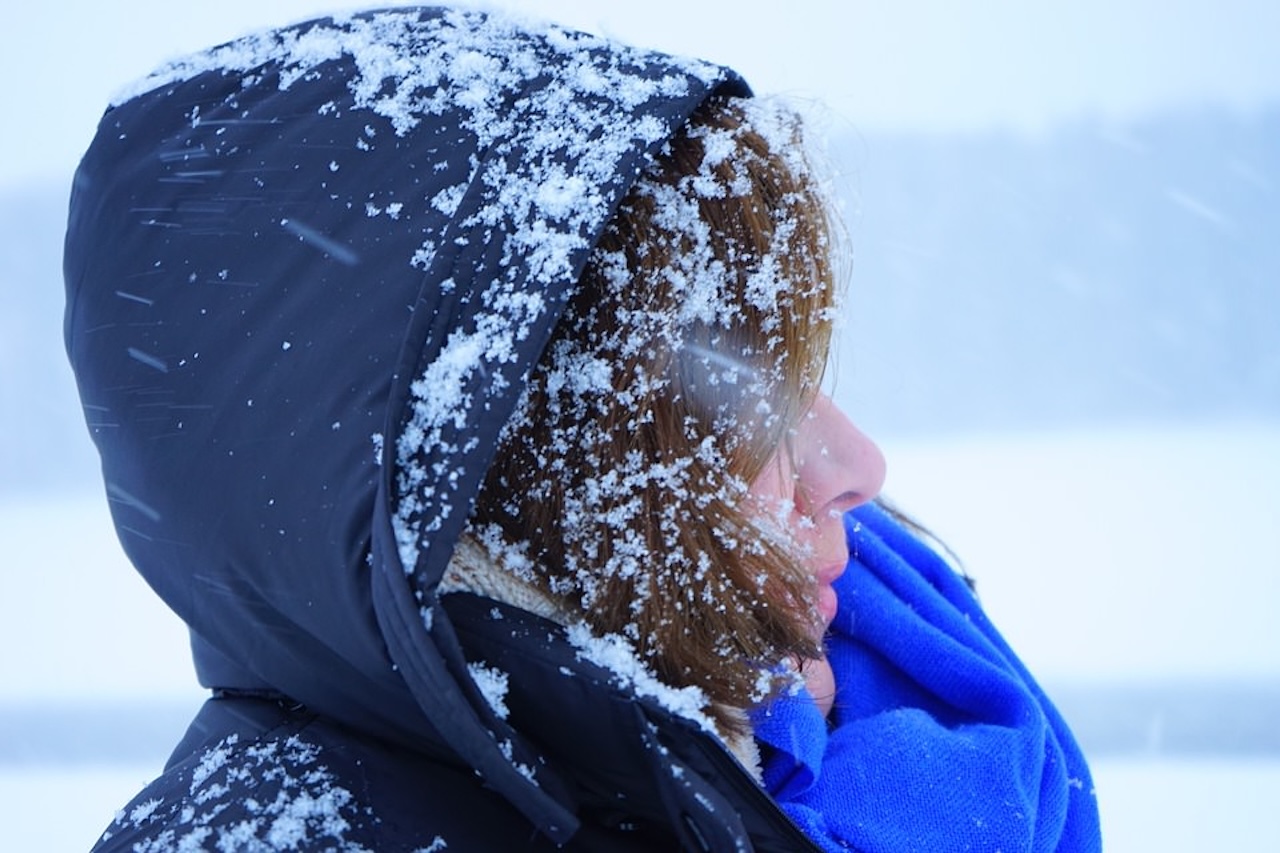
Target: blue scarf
939,739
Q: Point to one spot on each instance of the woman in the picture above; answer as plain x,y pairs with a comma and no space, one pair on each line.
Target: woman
456,381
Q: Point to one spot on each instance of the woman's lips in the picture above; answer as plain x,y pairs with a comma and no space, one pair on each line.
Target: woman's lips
828,603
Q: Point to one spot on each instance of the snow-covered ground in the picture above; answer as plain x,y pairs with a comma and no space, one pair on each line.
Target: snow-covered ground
1108,557
1145,552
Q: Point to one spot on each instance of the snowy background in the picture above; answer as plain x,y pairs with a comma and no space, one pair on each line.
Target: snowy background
1063,329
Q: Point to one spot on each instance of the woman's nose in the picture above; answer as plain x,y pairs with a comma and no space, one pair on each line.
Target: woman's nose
837,467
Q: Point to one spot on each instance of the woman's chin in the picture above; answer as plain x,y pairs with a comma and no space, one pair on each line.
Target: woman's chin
828,604
821,683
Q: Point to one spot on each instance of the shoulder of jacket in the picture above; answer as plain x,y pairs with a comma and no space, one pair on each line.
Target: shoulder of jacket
310,785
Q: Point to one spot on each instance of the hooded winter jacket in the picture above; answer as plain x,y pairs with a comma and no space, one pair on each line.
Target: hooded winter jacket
307,272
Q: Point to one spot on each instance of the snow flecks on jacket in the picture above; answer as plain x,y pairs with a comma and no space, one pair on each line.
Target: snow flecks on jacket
294,803
493,685
509,752
540,180
551,143
616,655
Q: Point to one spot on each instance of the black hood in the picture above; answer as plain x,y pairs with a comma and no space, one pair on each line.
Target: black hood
307,275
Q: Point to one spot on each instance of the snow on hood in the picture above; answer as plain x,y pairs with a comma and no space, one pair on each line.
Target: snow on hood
300,251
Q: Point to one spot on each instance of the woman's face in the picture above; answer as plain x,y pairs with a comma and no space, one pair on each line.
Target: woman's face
828,468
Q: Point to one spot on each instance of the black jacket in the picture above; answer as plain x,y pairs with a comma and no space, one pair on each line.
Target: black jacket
307,273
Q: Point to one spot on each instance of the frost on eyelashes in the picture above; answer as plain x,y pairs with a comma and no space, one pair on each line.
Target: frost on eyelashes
264,796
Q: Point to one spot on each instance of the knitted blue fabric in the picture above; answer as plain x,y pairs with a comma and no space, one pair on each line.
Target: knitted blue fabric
939,738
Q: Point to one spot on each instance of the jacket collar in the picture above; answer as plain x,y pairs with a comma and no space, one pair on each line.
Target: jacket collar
472,569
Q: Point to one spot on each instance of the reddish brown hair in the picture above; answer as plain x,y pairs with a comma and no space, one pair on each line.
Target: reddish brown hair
660,398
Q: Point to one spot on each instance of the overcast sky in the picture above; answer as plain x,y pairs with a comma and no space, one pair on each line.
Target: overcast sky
940,64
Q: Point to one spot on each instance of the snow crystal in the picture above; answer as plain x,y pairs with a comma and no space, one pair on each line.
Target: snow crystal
447,200
141,812
492,684
508,752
